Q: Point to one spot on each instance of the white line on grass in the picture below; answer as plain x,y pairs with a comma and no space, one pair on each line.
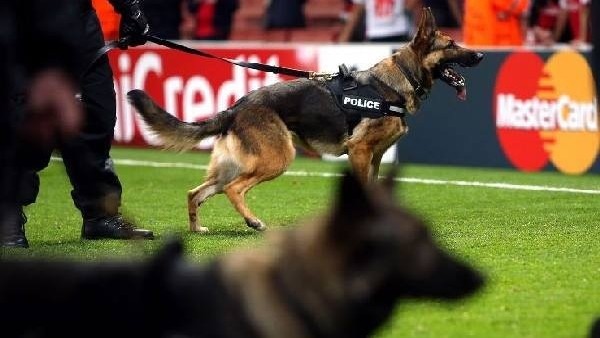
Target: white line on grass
493,185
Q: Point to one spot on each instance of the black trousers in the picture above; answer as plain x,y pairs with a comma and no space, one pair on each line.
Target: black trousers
35,35
96,187
8,170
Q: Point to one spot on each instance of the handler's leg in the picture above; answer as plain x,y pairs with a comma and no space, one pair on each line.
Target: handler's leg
96,187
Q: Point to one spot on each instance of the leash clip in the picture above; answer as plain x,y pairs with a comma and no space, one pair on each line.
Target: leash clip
322,76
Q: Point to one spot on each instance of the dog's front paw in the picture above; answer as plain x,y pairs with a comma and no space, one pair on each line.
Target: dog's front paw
199,229
255,224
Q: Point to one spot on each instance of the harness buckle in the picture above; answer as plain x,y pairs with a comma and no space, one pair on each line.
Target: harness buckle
344,71
349,82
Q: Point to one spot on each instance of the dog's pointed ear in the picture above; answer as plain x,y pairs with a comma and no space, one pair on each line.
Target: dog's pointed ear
425,32
164,259
353,203
353,197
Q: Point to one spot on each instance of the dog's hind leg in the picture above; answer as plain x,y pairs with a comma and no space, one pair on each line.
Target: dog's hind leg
198,195
262,150
269,163
222,169
236,192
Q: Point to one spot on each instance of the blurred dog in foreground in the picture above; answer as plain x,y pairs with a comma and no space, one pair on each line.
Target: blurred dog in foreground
337,276
356,113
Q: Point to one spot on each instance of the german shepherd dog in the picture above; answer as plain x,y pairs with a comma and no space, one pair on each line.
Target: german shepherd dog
257,134
339,275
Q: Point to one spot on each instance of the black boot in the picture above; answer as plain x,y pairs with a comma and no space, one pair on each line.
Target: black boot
12,233
114,227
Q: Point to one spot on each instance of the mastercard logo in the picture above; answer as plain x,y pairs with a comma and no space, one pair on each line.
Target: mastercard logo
546,112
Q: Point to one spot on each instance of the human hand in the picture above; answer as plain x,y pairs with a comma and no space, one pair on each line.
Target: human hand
52,111
133,26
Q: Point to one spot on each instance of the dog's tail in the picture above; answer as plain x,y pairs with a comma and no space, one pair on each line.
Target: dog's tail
175,133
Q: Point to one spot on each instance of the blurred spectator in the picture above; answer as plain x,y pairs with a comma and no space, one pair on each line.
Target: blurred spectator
164,17
109,19
595,38
578,19
213,18
285,14
495,22
187,26
347,10
510,21
553,21
413,9
447,13
547,21
385,21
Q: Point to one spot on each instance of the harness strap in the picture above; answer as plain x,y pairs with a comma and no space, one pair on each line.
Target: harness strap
360,100
353,96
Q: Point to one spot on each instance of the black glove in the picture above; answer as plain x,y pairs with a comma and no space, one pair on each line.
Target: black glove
133,26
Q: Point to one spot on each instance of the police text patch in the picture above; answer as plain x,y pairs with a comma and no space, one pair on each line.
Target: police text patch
363,103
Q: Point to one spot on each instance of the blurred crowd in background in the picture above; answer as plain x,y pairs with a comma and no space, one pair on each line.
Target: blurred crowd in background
474,22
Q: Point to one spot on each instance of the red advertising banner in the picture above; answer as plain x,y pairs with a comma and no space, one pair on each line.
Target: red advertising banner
193,88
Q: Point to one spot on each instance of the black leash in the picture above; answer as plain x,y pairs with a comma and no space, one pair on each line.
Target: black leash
252,65
100,53
170,44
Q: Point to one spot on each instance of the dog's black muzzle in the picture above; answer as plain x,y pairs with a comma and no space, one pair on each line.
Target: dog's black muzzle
470,60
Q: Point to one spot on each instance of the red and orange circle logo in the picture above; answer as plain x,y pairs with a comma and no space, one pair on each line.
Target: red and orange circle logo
547,112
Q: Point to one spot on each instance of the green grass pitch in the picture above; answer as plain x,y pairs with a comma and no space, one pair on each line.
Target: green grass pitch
540,250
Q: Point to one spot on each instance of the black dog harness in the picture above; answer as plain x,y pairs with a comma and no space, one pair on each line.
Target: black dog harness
359,100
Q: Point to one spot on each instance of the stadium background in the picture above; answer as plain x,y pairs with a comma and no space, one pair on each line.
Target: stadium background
194,89
445,131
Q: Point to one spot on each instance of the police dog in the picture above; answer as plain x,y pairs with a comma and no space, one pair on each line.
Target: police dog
339,275
256,136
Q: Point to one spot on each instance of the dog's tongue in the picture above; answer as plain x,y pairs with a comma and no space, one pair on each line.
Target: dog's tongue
461,93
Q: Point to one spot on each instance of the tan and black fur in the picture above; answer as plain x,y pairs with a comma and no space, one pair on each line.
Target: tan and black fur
339,276
256,136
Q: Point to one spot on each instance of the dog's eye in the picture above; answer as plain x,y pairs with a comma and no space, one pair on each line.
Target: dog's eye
452,43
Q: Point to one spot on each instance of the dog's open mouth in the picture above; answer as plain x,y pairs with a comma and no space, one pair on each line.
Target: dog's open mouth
454,80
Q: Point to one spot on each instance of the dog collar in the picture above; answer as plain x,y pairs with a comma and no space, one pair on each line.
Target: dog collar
421,92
